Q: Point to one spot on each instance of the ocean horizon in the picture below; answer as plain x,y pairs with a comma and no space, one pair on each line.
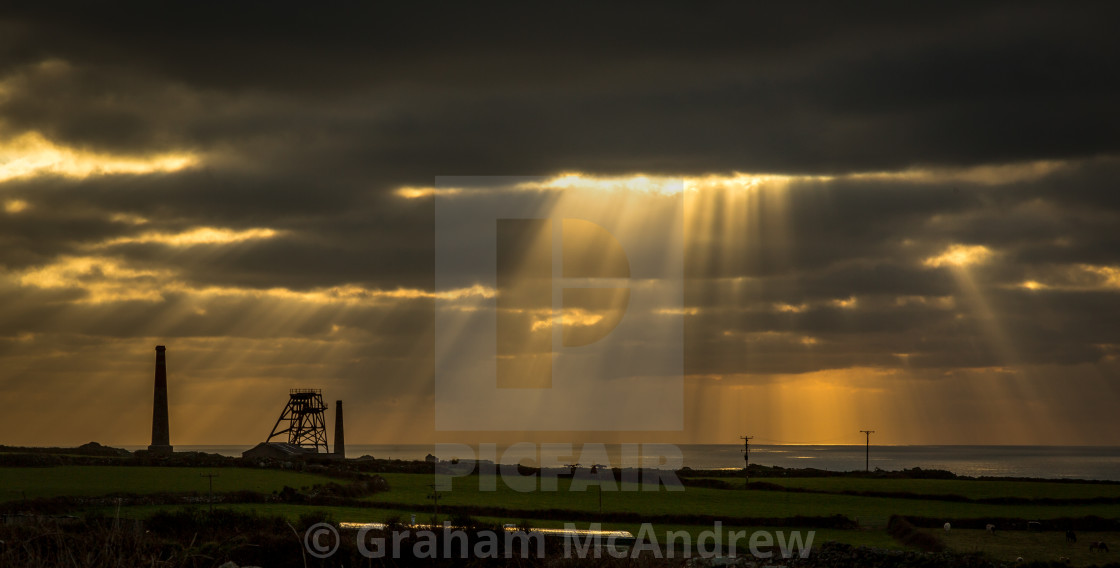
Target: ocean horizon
1048,462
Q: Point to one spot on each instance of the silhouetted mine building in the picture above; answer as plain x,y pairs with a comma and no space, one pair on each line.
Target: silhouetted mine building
303,422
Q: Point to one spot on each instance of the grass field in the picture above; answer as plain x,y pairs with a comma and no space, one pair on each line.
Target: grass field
409,494
413,490
1030,546
973,489
878,539
96,481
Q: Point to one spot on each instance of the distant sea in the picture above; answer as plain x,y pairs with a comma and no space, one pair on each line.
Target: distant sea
1052,462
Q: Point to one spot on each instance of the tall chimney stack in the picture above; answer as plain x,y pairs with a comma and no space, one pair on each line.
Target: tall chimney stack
339,438
161,434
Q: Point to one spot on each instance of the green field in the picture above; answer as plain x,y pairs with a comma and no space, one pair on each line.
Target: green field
413,490
972,489
1006,546
375,515
97,481
409,495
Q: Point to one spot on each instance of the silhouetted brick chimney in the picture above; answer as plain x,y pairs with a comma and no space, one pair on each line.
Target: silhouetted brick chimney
161,432
339,438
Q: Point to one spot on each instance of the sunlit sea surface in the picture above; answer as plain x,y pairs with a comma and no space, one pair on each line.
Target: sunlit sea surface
1056,462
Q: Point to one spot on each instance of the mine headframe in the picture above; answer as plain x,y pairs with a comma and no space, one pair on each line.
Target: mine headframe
303,420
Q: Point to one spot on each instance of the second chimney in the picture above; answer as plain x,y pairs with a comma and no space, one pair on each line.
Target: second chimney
339,437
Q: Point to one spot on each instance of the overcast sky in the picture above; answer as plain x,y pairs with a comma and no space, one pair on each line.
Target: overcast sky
902,218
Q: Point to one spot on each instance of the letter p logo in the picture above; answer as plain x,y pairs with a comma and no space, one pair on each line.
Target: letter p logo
581,324
527,312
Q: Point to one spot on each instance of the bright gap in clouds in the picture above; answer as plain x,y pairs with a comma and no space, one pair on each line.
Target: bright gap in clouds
15,206
984,175
195,236
107,280
31,154
959,256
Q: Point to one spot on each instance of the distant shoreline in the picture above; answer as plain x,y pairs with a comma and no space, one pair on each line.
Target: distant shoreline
761,464
1042,462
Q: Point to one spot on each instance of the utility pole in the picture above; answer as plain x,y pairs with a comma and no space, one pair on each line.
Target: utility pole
595,470
746,459
210,499
435,497
867,450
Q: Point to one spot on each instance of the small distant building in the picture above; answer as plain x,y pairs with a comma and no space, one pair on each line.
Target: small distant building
277,451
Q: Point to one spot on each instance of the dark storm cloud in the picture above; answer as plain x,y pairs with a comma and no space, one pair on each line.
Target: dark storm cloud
332,234
1051,328
825,88
301,114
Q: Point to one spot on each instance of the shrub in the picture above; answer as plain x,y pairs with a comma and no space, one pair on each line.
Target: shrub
906,533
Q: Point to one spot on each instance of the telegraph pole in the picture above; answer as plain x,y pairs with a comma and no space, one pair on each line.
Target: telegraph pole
746,459
435,497
595,469
210,499
867,450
